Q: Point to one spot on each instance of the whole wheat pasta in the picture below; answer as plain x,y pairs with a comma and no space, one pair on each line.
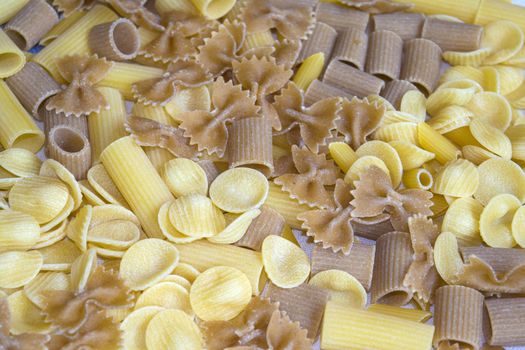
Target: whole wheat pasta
118,40
304,304
406,25
52,119
322,40
269,222
395,90
250,144
501,260
71,148
372,229
506,320
385,54
341,17
12,59
458,316
32,86
452,36
319,90
63,25
351,47
210,169
393,257
26,28
421,64
9,8
359,263
352,80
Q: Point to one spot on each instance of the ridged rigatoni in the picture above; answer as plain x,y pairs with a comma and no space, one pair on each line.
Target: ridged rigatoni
322,40
12,59
352,80
385,54
123,75
351,47
452,36
319,90
9,8
310,70
466,12
432,141
395,90
52,119
138,181
421,64
341,17
118,40
269,222
406,25
415,315
494,10
288,207
507,321
71,148
164,6
214,9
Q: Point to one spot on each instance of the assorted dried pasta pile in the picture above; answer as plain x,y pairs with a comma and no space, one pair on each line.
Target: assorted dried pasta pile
253,122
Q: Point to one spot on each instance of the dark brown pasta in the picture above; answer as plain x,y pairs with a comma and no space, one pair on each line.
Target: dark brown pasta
322,40
118,40
352,80
269,222
452,36
406,25
341,17
385,54
395,90
351,47
319,90
52,119
421,64
506,321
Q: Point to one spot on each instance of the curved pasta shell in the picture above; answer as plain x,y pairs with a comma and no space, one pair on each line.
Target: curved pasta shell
19,268
462,137
309,70
184,176
452,93
168,230
439,206
492,108
77,229
286,265
387,154
238,190
459,178
195,215
52,168
188,99
236,228
361,164
495,222
18,231
181,281
147,262
393,117
89,194
491,138
411,156
516,135
168,295
109,212
20,162
187,271
52,236
115,234
450,118
343,155
25,316
477,155
59,256
491,79
45,281
518,226
517,97
414,102
99,179
106,252
62,216
462,72
405,131
504,39
510,78
173,329
447,259
472,58
418,178
342,286
82,268
462,219
134,327
220,293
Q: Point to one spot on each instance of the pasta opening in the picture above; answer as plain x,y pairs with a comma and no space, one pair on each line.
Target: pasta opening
17,38
68,140
125,38
9,62
425,179
395,298
218,8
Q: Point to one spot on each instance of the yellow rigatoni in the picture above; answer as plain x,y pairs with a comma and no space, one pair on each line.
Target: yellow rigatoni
310,69
289,208
9,8
138,181
12,59
164,6
343,155
214,9
61,27
432,141
123,75
415,315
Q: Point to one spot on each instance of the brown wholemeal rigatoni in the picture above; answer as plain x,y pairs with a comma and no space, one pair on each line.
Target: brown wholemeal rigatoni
422,61
319,90
395,90
341,17
118,40
71,148
352,80
322,40
506,321
269,222
452,36
52,119
351,47
406,25
372,229
385,54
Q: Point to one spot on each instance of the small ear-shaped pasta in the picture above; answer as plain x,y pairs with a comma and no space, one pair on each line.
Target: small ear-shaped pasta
472,58
491,138
504,39
286,264
77,229
495,222
491,107
361,165
54,169
20,162
452,93
343,287
462,219
82,268
418,178
518,226
450,118
516,135
147,262
393,117
309,71
168,230
236,227
18,231
220,293
414,102
406,131
19,268
476,154
100,180
432,141
168,295
115,234
171,329
45,281
25,316
109,212
343,155
184,176
59,256
462,137
134,327
181,281
195,215
447,258
459,178
187,271
500,176
517,97
411,156
51,236
238,190
491,79
387,154
462,72
107,253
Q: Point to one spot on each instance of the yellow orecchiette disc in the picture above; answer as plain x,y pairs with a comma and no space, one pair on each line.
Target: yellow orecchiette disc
462,219
518,226
495,223
82,268
459,178
18,231
168,295
342,286
19,268
134,327
236,228
115,234
184,176
45,281
387,154
498,176
174,330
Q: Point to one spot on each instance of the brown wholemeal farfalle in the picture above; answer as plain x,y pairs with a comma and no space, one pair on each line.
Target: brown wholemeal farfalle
308,186
80,96
358,119
283,334
262,77
186,73
292,19
70,311
137,13
24,341
147,132
70,6
422,277
332,227
286,52
375,195
208,129
377,6
315,123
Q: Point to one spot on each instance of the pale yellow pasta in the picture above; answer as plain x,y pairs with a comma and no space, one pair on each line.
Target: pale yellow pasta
17,128
309,70
25,316
472,58
123,75
147,262
510,78
18,231
289,208
415,315
393,117
189,99
414,102
495,222
406,131
195,215
491,79
9,8
77,229
100,180
54,169
167,295
477,155
361,165
186,271
59,256
214,9
220,293
493,139
236,228
462,219
418,178
82,268
181,281
184,176
459,178
258,39
387,154
431,141
63,25
137,180
462,137
12,59
518,226
450,118
107,253
167,228
74,40
492,108
344,325
51,236
381,102
447,259
134,327
164,6
18,268
89,194
343,287
516,135
462,72
109,212
20,162
286,264
343,155
412,157
452,93
504,39
173,329
115,234
45,281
